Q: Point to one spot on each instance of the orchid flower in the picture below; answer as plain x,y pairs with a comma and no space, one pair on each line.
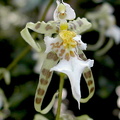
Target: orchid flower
103,17
104,22
63,53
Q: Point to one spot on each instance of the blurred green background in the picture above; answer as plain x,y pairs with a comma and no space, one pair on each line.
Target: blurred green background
14,14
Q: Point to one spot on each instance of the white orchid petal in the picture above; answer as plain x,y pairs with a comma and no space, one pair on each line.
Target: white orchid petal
28,38
48,28
73,68
79,25
114,32
48,41
70,12
82,45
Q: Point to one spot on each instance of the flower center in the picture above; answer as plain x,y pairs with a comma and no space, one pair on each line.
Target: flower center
67,37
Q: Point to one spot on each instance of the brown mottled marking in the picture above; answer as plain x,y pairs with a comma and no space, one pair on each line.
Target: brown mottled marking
46,73
79,22
53,45
72,54
82,56
57,43
90,82
41,91
56,50
43,81
38,100
67,56
87,74
52,56
57,29
61,43
62,51
92,89
37,25
48,27
74,26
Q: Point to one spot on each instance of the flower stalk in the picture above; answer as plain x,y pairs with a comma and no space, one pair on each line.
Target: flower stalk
17,59
46,10
60,95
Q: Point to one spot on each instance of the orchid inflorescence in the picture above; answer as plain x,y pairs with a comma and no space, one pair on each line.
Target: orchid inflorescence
63,53
104,22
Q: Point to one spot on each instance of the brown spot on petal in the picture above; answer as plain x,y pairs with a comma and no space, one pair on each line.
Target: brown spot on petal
43,81
79,22
48,27
67,56
92,89
62,51
82,56
57,43
72,54
74,26
37,25
87,74
38,100
46,73
40,91
52,56
90,82
57,29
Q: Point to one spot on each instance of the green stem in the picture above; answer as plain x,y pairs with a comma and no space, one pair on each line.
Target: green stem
17,59
60,95
46,10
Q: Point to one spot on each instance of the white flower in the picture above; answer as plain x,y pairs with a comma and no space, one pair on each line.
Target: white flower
63,43
102,16
73,69
104,20
114,32
66,47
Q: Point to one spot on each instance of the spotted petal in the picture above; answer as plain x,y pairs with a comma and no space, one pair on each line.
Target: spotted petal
79,25
73,69
44,80
48,41
47,29
40,27
88,76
